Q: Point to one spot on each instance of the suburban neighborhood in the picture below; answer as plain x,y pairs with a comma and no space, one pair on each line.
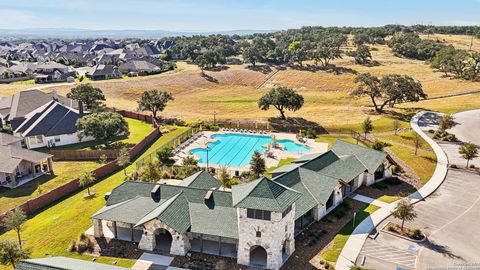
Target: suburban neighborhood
330,141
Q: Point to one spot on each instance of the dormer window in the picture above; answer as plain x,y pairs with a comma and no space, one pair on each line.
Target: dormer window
259,214
284,213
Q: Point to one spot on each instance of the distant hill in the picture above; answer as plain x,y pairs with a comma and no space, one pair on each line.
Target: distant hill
34,33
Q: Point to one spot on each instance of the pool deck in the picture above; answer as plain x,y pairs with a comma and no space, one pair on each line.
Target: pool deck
278,154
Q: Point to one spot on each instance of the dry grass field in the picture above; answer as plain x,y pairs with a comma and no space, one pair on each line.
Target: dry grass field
232,93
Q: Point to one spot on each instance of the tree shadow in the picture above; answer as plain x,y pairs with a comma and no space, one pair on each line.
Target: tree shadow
26,189
442,249
294,124
329,68
265,69
209,78
217,68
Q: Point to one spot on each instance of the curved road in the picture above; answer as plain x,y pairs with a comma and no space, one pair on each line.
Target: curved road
450,217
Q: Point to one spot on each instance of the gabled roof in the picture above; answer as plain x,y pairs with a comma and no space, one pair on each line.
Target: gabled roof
201,179
264,194
371,158
63,263
27,101
346,168
12,156
51,120
321,161
7,139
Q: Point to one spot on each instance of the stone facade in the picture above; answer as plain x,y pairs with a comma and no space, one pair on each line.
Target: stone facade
180,242
274,234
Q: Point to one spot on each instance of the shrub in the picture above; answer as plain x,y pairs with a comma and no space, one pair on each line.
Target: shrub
416,234
380,185
393,181
102,159
472,166
453,166
73,246
379,145
330,218
347,204
339,211
311,133
164,154
431,131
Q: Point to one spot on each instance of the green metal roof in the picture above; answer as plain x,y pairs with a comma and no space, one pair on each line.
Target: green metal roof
371,158
321,161
264,194
219,220
346,168
201,179
131,211
63,263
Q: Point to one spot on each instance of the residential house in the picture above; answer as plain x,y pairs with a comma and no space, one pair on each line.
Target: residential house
19,165
63,263
104,72
53,124
53,72
138,67
14,108
255,222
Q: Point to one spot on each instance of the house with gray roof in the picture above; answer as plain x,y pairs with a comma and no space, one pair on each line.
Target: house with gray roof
19,165
52,124
104,72
254,222
14,108
63,263
138,67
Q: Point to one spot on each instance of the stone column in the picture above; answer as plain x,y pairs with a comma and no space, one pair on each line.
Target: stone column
50,165
97,228
33,169
275,259
180,244
147,242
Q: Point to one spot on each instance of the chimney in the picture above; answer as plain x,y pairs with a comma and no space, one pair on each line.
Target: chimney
155,193
55,95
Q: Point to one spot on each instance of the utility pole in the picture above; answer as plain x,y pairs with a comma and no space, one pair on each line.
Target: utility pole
214,117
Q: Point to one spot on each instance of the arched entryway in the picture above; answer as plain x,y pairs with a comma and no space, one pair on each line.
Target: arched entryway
285,250
258,257
163,239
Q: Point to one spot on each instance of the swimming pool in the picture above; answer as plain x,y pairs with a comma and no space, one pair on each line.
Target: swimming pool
237,149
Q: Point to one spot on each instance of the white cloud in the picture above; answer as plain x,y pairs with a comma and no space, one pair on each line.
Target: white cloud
77,4
14,18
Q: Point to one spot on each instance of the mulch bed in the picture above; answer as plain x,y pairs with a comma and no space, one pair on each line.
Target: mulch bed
391,190
200,261
308,257
115,248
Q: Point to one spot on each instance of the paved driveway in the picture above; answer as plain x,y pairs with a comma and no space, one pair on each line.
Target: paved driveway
449,217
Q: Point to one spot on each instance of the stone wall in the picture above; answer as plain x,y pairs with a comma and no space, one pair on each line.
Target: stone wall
180,242
274,233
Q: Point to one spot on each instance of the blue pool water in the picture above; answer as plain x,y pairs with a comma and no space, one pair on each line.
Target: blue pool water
237,149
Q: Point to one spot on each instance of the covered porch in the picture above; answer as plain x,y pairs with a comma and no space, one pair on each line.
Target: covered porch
22,171
214,245
117,230
304,221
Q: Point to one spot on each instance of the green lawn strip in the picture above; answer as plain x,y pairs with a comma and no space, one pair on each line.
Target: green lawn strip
64,171
138,131
50,232
281,163
404,138
423,164
383,124
331,254
388,199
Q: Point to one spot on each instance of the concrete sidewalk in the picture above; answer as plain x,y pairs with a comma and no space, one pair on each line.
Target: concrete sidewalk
148,259
354,244
369,200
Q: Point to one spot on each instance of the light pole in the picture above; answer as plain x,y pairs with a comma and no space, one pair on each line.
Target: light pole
207,157
354,216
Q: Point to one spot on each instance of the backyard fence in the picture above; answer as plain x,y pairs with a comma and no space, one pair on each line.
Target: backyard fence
83,155
292,125
46,199
138,116
174,142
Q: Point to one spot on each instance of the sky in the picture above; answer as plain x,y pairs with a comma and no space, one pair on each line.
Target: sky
218,15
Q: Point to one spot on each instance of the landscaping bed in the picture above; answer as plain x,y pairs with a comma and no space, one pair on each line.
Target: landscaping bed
200,261
415,235
317,238
387,189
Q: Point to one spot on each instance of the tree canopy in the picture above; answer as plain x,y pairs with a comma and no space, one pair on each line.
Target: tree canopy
468,151
11,253
88,95
104,126
14,220
390,89
154,101
404,211
281,98
257,164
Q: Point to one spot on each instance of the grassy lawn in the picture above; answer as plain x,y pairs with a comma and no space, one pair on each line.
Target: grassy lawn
388,199
138,131
64,171
423,164
330,139
404,138
71,217
281,163
331,254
